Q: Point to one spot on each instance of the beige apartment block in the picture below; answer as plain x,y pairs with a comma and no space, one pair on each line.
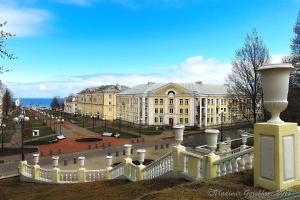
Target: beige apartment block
190,104
99,101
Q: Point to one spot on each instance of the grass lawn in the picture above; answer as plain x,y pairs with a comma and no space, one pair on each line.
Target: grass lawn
159,189
41,140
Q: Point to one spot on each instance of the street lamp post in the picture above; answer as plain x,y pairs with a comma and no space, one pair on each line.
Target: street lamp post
140,127
21,120
60,121
93,118
222,116
104,122
2,129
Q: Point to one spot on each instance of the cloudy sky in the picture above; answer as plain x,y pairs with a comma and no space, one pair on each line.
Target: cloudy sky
64,46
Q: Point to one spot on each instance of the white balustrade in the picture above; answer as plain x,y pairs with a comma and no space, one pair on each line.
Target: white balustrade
187,157
68,176
132,168
95,175
159,167
45,175
235,162
27,171
117,171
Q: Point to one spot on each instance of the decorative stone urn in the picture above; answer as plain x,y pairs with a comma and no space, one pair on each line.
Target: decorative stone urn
212,139
141,155
108,161
178,133
81,161
275,85
35,158
127,149
55,161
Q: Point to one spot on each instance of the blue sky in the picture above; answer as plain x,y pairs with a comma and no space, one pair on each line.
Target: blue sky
66,45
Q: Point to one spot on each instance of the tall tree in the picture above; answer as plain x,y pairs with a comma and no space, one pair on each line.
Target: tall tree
55,103
294,58
244,84
4,54
7,102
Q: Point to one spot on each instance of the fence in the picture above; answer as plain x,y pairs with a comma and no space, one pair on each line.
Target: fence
179,161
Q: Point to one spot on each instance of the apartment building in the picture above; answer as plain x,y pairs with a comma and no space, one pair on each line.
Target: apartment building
99,101
191,104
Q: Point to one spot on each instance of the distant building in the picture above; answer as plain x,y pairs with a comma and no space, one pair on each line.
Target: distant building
191,104
99,101
70,104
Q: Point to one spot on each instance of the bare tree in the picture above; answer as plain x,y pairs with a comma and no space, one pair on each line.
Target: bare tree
244,81
4,54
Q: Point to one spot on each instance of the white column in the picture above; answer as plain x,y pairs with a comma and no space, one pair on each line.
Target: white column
138,102
151,110
192,112
200,112
219,111
143,109
205,123
215,111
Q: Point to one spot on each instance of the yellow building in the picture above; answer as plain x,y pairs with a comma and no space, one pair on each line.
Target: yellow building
191,104
99,101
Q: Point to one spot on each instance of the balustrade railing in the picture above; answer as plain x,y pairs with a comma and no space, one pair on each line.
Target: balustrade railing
192,161
235,162
45,175
117,171
68,176
27,170
132,171
159,167
95,175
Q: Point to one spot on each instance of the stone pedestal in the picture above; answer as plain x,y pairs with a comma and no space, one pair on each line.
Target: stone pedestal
55,175
178,157
126,161
276,157
81,175
211,168
35,170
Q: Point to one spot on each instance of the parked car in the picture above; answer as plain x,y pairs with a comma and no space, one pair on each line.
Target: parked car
116,135
107,134
73,122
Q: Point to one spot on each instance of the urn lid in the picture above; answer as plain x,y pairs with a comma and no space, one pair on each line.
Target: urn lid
212,131
141,151
178,126
276,66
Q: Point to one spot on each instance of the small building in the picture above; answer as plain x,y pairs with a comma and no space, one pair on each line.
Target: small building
70,104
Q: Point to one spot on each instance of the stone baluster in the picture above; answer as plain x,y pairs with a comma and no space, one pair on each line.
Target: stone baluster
229,167
234,165
198,175
184,163
219,170
241,164
223,168
249,161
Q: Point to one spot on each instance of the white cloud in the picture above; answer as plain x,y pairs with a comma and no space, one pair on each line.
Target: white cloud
23,21
193,69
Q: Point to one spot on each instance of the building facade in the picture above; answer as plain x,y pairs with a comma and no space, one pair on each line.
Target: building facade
191,104
70,104
99,101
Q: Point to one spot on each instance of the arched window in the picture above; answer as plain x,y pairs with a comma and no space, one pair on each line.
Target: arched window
171,93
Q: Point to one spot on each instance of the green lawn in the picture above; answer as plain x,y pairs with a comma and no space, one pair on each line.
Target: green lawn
113,130
41,140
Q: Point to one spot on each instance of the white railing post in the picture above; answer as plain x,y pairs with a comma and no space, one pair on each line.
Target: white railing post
127,160
108,167
81,170
35,168
141,167
55,170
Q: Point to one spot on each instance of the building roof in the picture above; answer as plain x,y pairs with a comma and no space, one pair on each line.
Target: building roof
104,88
195,88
